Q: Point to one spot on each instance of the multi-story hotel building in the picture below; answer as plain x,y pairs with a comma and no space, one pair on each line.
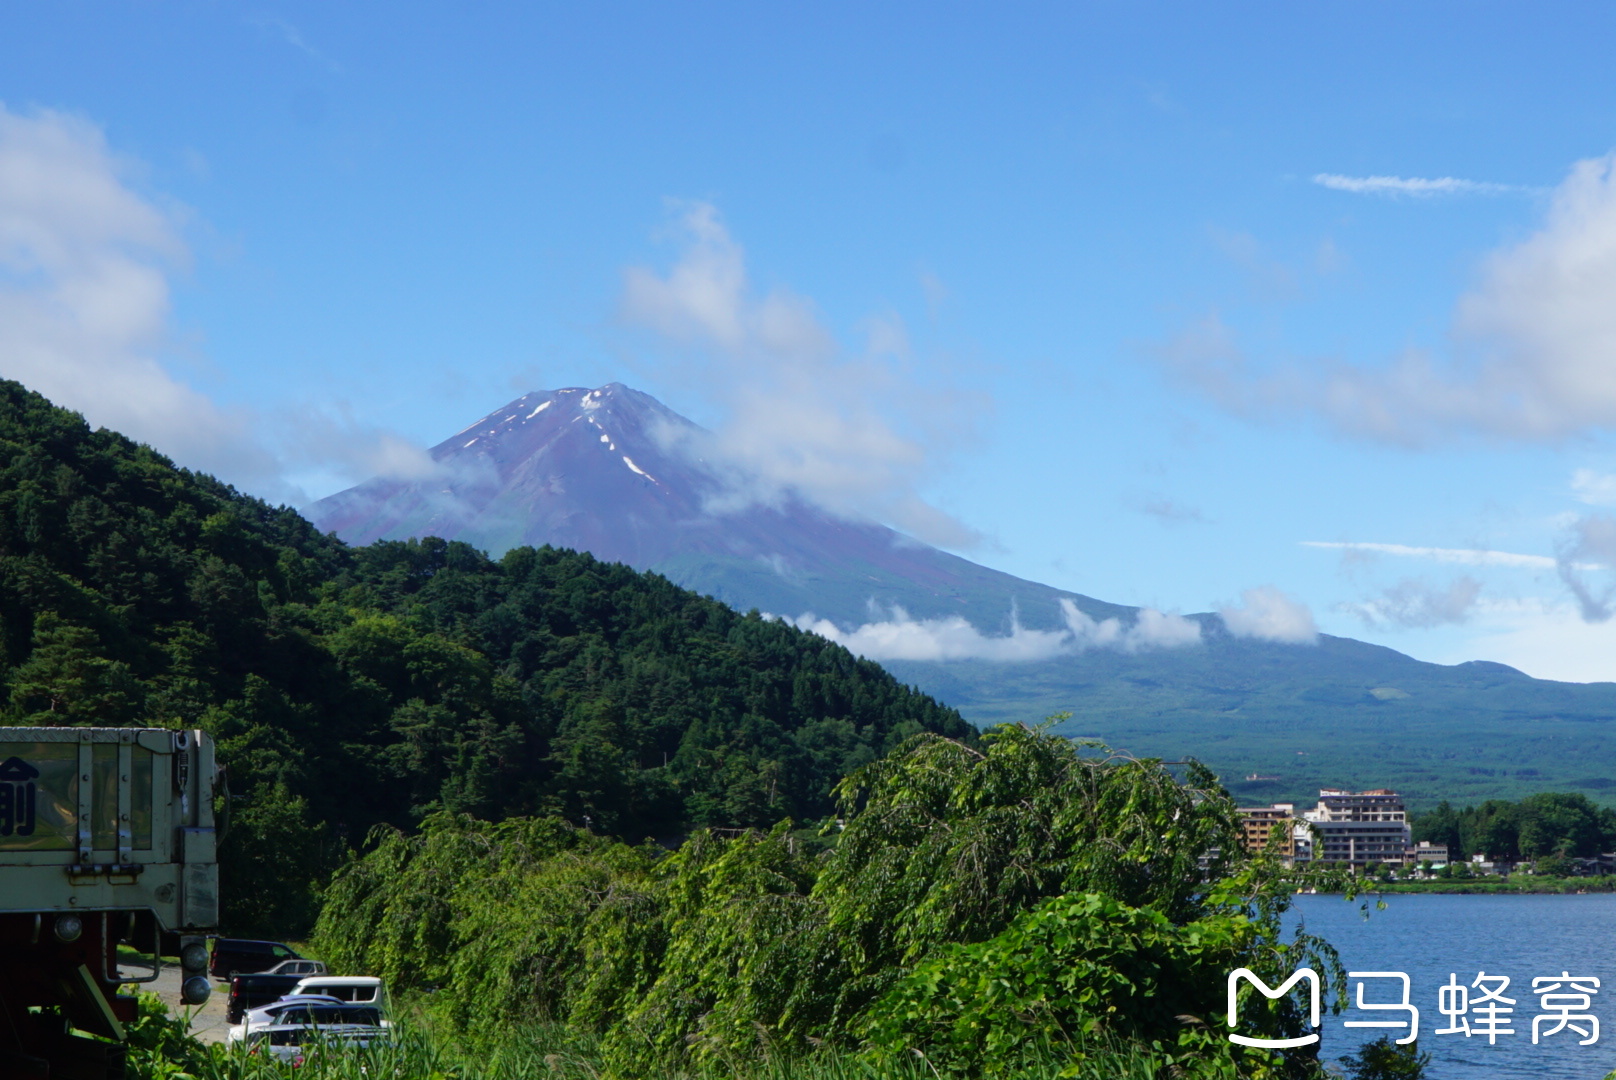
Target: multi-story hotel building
1356,828
1258,824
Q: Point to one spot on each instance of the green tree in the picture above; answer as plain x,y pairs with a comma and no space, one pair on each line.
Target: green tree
275,860
66,681
980,900
1383,1059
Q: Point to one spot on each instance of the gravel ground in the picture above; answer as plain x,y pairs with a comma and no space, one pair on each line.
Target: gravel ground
207,1023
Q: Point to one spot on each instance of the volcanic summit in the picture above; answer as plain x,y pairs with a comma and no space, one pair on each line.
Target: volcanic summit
614,472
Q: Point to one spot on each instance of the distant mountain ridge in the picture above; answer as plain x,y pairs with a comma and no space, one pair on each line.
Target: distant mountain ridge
605,471
610,470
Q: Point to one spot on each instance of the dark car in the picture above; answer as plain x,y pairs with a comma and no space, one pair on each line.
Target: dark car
234,956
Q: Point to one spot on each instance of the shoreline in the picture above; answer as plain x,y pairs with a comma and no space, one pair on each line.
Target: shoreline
1521,885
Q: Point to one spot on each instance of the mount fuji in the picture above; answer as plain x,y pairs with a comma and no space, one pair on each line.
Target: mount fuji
614,472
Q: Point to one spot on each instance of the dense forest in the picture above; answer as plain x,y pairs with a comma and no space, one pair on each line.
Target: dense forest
1540,827
1011,909
354,687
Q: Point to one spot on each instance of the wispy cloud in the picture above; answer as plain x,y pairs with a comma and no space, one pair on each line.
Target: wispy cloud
1594,488
85,264
1465,556
1587,552
1267,614
1528,357
903,637
1545,639
1168,511
1414,604
1416,186
854,430
292,36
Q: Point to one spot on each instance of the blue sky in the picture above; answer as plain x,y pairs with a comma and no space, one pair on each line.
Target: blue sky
1103,295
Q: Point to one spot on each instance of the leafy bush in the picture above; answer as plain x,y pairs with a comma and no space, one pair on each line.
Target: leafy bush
1383,1059
983,908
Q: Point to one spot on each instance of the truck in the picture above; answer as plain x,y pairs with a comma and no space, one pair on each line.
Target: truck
108,836
262,987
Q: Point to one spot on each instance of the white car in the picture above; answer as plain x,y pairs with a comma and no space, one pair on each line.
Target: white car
358,989
265,1015
294,1042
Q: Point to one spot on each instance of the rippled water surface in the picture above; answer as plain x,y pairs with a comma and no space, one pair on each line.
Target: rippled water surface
1430,937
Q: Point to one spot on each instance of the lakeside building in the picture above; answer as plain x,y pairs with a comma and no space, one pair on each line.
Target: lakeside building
1258,824
1357,828
1427,852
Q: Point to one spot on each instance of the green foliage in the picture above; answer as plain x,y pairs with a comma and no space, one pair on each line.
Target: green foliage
1537,827
275,857
350,688
947,842
552,1052
492,912
1383,1059
1076,966
63,681
160,1046
1004,906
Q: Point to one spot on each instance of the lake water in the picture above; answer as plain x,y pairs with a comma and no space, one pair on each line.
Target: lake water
1430,937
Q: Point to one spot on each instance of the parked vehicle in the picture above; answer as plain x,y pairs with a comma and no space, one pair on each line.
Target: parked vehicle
250,991
265,1015
237,956
295,1042
359,989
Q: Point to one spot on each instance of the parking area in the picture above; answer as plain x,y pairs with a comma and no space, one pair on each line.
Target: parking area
207,1023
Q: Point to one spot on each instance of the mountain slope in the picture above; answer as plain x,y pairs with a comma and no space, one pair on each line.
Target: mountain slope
349,688
611,471
1341,713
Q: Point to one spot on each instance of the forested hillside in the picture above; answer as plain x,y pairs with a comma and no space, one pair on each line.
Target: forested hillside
1549,826
350,687
1013,909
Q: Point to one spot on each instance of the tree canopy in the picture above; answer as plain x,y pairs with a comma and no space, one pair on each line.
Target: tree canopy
1539,826
979,904
352,687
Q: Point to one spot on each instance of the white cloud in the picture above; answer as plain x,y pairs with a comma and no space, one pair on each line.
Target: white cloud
294,37
1465,556
1267,614
1419,187
853,431
1168,511
84,295
1594,488
903,637
1413,604
325,448
1529,358
1547,640
1585,556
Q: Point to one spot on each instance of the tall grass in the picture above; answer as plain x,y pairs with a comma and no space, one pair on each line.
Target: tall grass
549,1052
